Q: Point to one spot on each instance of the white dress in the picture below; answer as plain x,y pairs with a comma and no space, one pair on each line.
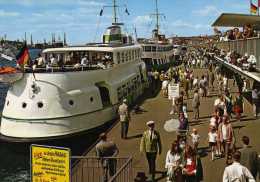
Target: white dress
172,160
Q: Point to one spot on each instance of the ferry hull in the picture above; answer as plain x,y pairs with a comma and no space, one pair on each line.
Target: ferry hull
53,129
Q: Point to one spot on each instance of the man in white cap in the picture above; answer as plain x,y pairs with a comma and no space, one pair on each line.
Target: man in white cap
151,145
124,118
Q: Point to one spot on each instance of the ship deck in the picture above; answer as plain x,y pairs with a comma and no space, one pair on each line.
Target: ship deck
157,108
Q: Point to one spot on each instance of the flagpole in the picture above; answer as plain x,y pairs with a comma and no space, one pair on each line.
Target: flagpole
250,7
258,7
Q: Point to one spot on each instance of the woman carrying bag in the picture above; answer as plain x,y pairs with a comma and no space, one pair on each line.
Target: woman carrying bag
192,170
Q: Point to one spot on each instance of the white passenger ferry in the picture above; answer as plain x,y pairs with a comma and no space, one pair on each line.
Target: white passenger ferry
157,51
78,89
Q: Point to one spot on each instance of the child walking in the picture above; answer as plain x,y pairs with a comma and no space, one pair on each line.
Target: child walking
212,136
195,137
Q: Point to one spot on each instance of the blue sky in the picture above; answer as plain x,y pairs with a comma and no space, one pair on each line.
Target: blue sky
81,21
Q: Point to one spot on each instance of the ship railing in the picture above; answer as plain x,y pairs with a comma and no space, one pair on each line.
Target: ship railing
251,46
66,68
94,169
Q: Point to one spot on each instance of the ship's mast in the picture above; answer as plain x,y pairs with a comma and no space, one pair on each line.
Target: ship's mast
157,15
115,14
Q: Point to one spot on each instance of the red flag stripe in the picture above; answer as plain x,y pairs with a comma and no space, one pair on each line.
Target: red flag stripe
24,58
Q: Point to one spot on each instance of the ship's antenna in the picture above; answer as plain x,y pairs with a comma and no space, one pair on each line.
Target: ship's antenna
115,17
114,10
157,15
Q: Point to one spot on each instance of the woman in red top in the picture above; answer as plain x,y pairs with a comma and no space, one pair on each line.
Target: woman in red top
193,169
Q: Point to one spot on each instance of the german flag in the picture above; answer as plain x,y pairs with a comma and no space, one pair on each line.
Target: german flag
253,9
23,56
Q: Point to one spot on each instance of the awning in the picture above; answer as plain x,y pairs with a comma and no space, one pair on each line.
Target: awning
236,20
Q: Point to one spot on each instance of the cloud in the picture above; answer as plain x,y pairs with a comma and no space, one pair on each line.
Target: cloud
4,13
142,20
90,3
207,11
183,24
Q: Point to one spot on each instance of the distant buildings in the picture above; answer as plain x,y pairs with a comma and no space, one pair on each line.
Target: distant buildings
38,45
193,40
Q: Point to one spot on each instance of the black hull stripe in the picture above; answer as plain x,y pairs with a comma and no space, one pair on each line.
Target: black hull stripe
47,119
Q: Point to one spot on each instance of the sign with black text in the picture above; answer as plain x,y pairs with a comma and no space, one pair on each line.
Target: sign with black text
50,164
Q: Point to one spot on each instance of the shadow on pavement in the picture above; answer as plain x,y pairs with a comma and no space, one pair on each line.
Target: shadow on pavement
134,136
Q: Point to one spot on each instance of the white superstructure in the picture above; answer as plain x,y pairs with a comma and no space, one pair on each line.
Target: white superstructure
157,53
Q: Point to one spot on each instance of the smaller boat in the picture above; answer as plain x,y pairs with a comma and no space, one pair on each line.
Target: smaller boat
9,74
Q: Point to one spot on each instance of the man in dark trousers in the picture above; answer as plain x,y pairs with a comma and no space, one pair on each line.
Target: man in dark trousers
104,149
151,146
249,157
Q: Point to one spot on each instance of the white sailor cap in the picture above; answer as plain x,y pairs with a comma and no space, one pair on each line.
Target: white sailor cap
125,101
150,123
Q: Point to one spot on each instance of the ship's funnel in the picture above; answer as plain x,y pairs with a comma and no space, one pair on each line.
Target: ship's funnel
113,35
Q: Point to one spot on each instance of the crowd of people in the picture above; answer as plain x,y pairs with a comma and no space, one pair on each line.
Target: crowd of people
245,62
236,33
75,60
183,163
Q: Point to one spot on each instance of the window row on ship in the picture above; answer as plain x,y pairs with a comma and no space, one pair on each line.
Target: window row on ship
130,89
157,48
81,60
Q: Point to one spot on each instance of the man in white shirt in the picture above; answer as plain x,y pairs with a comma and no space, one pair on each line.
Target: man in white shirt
236,172
54,61
84,60
124,118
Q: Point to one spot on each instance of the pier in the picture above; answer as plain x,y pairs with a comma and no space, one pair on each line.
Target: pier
158,108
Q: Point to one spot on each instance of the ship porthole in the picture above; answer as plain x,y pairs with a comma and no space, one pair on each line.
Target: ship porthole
91,99
24,105
71,102
40,104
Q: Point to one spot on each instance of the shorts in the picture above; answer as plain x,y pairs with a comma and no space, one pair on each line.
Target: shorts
212,144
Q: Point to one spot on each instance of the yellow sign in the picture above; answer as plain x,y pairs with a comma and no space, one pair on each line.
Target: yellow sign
50,164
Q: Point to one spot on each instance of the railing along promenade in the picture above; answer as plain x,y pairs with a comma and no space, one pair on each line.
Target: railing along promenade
250,46
94,169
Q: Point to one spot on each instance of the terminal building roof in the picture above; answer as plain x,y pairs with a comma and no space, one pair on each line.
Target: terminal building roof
236,20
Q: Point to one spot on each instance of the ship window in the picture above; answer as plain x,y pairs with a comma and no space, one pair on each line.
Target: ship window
147,49
24,105
129,56
40,104
153,49
7,103
118,57
122,57
71,102
91,99
126,56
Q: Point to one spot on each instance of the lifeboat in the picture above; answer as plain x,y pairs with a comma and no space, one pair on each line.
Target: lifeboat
10,75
